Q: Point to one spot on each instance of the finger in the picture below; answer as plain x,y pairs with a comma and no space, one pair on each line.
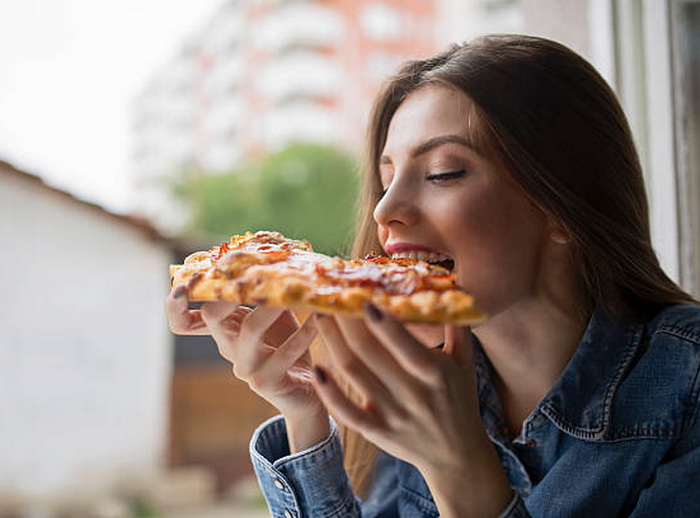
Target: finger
259,321
250,350
224,316
430,335
182,320
292,350
218,311
349,365
341,406
223,319
282,329
458,344
373,353
406,350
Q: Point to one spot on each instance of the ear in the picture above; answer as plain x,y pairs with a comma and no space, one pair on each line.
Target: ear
558,234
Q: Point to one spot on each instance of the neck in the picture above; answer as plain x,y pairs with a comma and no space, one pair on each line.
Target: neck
529,347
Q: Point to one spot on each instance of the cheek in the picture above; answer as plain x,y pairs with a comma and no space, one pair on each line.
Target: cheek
500,240
503,217
471,218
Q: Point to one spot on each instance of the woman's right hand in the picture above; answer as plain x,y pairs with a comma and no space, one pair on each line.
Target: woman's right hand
269,350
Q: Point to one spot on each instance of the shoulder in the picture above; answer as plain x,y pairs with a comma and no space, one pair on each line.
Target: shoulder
680,323
659,393
672,340
670,346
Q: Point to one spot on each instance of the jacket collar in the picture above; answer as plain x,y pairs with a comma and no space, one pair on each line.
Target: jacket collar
580,402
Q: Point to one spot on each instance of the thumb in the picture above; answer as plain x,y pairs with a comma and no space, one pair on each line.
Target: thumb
458,344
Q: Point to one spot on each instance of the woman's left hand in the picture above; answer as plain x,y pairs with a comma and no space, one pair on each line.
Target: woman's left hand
416,403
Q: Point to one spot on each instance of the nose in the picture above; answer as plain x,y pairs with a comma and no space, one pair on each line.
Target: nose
397,206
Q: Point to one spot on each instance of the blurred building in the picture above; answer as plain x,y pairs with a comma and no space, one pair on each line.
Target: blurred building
85,353
98,409
264,73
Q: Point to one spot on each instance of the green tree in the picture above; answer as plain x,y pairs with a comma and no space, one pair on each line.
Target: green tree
306,191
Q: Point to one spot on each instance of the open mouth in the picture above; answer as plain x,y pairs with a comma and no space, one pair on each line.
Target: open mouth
429,257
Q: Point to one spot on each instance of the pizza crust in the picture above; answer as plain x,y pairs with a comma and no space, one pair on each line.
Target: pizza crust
266,268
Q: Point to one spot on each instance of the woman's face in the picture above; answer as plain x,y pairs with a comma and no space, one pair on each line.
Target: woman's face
444,200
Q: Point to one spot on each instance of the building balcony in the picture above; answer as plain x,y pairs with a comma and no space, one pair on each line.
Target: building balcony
300,24
224,33
224,115
301,74
225,75
299,122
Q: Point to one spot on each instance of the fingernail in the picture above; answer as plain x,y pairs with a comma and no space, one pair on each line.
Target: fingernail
180,291
373,313
320,374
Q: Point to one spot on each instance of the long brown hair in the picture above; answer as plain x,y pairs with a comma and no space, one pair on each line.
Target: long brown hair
555,124
559,130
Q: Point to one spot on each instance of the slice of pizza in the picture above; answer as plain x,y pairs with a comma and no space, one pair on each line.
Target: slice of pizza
267,268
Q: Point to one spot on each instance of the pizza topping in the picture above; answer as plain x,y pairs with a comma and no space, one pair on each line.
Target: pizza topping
275,248
267,268
219,251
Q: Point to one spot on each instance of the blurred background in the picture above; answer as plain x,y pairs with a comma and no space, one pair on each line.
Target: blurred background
132,133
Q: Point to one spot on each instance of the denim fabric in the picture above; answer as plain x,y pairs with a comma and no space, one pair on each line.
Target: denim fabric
310,483
618,435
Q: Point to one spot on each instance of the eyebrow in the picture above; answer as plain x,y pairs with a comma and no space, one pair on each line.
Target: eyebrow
433,143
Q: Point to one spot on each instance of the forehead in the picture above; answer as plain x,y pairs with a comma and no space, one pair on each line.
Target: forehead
429,112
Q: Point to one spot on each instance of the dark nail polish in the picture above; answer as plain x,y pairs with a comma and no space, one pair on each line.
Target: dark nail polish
373,313
180,291
320,374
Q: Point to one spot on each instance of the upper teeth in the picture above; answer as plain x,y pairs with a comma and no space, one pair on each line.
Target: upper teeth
428,257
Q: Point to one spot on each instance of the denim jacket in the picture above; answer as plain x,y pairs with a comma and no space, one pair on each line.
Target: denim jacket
617,435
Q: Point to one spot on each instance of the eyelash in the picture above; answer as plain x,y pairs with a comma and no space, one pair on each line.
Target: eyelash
446,176
437,178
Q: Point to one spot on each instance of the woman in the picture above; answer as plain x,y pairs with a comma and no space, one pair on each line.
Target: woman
511,159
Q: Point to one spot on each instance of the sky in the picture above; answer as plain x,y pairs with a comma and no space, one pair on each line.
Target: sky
69,71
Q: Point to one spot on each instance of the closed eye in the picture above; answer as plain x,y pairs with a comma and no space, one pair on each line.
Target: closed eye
446,176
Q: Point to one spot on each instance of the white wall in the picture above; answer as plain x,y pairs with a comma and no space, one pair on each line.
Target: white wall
84,348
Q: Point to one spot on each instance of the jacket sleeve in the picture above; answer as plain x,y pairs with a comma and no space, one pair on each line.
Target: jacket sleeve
313,483
310,483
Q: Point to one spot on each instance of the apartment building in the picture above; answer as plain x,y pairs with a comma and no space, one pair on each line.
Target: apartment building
264,73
